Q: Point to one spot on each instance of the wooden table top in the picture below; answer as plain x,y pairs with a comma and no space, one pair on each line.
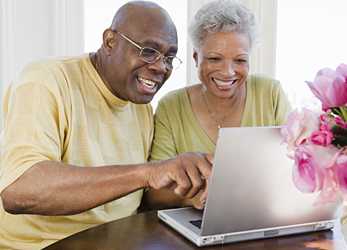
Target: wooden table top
144,231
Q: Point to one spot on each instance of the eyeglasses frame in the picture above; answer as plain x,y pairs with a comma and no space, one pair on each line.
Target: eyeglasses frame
160,55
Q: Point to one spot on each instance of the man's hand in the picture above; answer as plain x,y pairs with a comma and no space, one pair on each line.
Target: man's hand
187,175
198,201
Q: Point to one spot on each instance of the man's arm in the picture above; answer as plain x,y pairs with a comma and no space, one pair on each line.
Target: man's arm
52,188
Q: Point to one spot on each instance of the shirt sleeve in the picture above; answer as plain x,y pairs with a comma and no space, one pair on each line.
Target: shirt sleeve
282,105
163,146
34,124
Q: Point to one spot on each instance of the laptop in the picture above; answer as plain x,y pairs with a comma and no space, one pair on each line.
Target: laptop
251,194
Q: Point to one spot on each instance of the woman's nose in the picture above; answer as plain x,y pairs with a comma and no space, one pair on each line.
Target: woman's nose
229,68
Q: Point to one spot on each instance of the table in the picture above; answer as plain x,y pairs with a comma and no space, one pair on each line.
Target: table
144,231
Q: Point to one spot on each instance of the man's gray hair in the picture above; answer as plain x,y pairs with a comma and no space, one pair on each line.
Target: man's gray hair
222,16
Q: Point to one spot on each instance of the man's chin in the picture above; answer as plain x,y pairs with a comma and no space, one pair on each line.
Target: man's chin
139,96
143,99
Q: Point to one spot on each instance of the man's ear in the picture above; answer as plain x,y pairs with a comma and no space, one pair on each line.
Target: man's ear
196,58
108,41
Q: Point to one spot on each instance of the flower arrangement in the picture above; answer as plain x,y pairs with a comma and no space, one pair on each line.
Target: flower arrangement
317,141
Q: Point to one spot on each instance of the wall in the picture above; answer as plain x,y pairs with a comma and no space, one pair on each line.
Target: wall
30,30
35,29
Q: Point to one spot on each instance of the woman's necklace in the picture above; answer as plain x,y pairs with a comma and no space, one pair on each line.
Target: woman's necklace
219,121
212,114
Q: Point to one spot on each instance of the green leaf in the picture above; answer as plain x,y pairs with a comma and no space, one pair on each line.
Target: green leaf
336,111
340,136
343,113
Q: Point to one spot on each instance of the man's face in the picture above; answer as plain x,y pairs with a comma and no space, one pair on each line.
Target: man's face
128,74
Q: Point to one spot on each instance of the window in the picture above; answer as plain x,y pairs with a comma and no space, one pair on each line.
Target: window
99,15
310,36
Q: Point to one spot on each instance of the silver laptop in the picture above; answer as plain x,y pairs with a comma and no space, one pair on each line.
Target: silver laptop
251,194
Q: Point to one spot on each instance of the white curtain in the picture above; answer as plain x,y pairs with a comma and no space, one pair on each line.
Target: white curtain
35,29
263,58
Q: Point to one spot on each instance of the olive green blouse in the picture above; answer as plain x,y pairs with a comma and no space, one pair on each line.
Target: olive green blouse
177,129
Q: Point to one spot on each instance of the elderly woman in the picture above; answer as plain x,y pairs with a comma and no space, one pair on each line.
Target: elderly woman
188,119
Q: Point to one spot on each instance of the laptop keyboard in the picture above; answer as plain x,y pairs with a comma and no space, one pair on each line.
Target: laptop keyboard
196,223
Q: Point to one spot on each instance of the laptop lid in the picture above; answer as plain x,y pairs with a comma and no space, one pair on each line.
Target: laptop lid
251,185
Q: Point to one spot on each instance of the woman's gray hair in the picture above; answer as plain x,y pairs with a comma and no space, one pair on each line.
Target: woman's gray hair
222,16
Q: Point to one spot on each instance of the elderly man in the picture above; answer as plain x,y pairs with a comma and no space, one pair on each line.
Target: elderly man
78,131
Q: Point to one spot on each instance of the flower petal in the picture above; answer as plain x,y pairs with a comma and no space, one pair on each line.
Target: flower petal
330,87
342,69
307,176
341,173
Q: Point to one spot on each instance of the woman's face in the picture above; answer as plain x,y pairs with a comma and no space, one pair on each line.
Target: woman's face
223,62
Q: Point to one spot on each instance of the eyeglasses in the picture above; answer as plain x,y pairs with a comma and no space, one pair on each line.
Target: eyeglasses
150,55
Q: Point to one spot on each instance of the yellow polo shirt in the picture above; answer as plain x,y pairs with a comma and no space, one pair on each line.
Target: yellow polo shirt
61,110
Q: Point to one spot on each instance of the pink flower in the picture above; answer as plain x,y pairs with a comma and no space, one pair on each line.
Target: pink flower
307,176
318,143
342,70
330,87
311,165
322,138
340,122
299,126
341,173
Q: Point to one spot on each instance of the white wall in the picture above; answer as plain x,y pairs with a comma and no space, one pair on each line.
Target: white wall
31,30
314,39
35,29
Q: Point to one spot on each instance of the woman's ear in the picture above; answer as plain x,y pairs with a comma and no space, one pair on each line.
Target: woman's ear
196,59
108,41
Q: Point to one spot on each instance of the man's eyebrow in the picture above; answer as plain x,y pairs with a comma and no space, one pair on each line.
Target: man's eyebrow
157,45
151,43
